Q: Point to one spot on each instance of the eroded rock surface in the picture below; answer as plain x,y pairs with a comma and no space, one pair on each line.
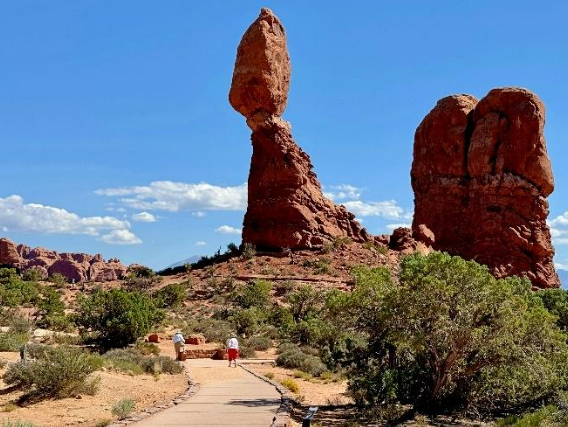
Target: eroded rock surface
286,207
76,267
481,175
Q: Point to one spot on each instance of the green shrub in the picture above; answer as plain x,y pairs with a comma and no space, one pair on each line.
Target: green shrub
305,302
118,317
51,311
18,423
20,325
15,292
556,301
59,280
133,362
59,372
461,338
12,341
292,357
123,408
246,351
291,385
248,251
32,275
147,348
214,330
550,416
259,343
170,296
255,294
141,279
247,321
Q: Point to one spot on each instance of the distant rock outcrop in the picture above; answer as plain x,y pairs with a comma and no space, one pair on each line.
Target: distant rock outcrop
76,267
286,207
481,176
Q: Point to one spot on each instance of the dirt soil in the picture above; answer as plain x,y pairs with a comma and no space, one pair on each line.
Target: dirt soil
87,411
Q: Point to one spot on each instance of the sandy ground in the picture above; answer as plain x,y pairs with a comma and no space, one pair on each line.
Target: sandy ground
313,392
90,410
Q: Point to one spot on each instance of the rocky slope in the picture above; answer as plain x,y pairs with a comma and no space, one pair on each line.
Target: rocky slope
286,207
76,267
481,176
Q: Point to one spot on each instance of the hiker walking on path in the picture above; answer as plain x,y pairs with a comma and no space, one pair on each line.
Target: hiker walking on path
179,344
233,349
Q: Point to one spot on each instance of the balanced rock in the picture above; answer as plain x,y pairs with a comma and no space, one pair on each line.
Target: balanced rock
286,207
481,176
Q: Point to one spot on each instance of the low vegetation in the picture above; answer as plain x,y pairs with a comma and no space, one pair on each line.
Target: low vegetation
123,408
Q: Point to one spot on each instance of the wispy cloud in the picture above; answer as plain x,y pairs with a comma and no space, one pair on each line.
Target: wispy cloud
144,217
392,227
175,196
343,192
15,215
388,209
200,243
227,229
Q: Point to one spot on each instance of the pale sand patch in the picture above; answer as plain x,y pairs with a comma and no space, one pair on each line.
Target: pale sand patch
313,392
89,410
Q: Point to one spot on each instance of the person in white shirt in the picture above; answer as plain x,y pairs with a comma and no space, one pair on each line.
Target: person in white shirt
179,344
232,349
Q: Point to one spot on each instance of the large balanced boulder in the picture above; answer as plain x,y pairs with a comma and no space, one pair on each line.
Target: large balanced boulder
286,207
481,176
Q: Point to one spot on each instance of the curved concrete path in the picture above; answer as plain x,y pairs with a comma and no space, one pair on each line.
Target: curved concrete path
226,397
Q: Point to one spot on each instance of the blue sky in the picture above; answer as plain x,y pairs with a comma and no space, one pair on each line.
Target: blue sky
116,135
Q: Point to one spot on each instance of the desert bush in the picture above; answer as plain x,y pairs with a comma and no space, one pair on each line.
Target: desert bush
141,279
170,296
214,330
20,325
549,416
58,372
147,348
12,341
292,357
461,339
270,375
556,302
16,292
51,311
247,321
248,251
246,351
59,280
32,275
291,385
260,343
133,362
320,266
305,302
17,423
255,294
123,408
118,317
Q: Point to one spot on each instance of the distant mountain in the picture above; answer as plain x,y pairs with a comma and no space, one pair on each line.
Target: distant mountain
563,274
189,260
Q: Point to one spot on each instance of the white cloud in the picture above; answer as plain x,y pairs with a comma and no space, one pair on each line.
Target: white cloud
144,217
392,227
175,196
343,192
559,229
560,266
120,237
15,215
199,214
227,229
200,243
388,209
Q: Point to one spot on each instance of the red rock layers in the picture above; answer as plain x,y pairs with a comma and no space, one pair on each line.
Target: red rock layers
75,267
286,207
481,175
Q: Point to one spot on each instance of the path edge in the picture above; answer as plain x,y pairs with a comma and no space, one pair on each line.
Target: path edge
191,389
283,416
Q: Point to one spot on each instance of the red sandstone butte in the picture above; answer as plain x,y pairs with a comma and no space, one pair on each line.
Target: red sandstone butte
286,207
481,175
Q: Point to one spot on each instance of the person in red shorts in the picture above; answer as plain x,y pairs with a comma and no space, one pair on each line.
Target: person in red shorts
233,349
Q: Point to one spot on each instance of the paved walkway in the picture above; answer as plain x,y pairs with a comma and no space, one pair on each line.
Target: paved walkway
226,397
